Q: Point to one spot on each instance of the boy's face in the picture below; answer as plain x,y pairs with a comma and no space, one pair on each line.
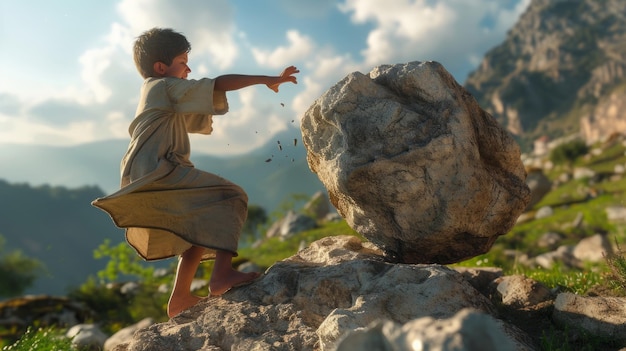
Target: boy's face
178,68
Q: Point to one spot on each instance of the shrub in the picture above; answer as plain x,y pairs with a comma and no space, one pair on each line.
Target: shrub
617,265
568,152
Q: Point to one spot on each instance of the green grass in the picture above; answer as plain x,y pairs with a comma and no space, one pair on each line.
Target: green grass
568,201
617,266
45,339
274,249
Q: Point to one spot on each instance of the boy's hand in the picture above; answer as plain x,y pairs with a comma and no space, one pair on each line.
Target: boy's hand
286,76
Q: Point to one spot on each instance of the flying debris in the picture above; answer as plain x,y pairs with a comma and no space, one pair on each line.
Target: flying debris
281,104
295,142
268,160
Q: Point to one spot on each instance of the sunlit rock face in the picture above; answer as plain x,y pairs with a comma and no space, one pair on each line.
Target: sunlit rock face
309,301
414,164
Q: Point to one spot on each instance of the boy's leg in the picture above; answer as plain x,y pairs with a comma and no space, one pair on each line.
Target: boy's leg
181,297
224,276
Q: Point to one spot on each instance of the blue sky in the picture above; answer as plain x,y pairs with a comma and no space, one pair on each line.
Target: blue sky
67,75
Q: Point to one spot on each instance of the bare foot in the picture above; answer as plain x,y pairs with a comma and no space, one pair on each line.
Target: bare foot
221,284
178,304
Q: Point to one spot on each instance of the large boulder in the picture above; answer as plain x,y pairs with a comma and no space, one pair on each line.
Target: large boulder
414,164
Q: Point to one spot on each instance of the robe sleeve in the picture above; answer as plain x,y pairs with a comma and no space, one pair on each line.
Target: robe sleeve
197,101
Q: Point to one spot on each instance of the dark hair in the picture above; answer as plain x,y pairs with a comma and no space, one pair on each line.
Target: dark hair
158,45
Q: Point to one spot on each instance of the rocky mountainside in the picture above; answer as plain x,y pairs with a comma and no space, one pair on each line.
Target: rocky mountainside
561,70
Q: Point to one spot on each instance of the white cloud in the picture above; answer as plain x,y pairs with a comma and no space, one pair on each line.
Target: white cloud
323,70
300,46
208,25
452,32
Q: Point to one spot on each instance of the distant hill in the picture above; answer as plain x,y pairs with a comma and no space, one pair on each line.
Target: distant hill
59,227
563,63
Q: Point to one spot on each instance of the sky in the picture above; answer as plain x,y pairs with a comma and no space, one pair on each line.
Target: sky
67,75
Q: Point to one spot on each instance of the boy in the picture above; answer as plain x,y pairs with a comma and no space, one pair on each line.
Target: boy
167,206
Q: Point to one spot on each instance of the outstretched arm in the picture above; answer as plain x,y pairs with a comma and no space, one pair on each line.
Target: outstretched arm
231,82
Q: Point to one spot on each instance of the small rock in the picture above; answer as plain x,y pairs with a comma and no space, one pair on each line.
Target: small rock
593,249
129,288
467,330
549,240
616,213
545,211
87,336
601,316
582,173
519,291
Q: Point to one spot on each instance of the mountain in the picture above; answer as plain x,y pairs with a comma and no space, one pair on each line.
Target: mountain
560,70
268,184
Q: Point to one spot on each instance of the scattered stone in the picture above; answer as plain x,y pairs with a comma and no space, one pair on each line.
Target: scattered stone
563,255
163,288
543,212
564,177
87,337
291,224
468,330
593,248
406,155
601,316
318,207
539,186
549,240
616,213
583,173
519,291
129,288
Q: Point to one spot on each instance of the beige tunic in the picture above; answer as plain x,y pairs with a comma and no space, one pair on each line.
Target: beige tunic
165,204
